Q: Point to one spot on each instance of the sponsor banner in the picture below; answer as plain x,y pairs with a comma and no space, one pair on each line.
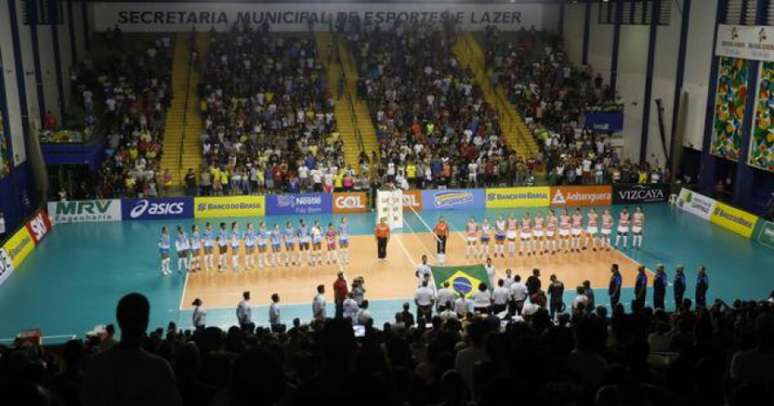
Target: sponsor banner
19,246
6,265
38,226
302,203
695,203
581,196
504,198
229,206
733,219
453,199
637,194
85,211
604,121
765,234
355,202
157,209
754,42
319,16
463,279
412,200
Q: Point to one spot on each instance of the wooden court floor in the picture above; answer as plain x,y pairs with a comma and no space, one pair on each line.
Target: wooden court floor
394,278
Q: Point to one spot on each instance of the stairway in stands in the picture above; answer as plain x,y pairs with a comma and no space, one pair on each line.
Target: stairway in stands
182,147
515,131
352,115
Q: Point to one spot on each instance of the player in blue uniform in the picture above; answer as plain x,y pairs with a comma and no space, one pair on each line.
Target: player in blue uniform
263,237
290,244
276,241
249,238
181,246
303,242
164,251
209,240
236,241
195,242
222,246
343,232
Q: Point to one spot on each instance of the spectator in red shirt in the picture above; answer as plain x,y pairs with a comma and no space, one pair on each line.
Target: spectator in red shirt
340,291
50,121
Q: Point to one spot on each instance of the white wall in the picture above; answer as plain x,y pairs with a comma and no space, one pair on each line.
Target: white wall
11,92
48,70
25,42
632,65
66,56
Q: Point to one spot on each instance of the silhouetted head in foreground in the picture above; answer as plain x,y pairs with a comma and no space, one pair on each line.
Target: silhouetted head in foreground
132,315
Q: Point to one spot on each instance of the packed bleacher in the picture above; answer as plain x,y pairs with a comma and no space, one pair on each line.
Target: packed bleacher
715,355
553,95
432,123
268,117
126,95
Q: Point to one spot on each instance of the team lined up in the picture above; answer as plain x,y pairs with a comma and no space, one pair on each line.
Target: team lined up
553,234
262,246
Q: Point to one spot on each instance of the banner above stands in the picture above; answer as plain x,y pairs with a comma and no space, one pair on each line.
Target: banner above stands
604,121
286,16
753,42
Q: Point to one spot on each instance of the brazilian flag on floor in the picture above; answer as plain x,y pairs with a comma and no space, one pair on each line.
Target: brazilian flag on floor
462,279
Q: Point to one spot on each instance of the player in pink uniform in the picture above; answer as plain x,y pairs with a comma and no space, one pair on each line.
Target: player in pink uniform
510,234
564,231
623,228
551,232
577,229
592,230
638,223
471,237
330,239
607,228
538,233
526,235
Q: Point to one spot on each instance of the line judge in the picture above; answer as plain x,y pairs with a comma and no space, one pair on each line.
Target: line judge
382,235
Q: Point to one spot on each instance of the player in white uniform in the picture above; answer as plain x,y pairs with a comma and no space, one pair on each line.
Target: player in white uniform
263,242
510,234
222,247
592,230
343,232
472,237
486,236
607,228
290,244
538,234
181,246
250,240
209,241
236,241
551,232
500,234
303,242
316,243
526,235
564,231
623,228
195,242
577,229
164,251
638,223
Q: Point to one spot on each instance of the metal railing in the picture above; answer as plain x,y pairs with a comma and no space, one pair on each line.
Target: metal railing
347,93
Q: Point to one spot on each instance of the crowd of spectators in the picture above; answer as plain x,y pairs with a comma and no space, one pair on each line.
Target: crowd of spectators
432,123
268,117
715,355
554,95
127,95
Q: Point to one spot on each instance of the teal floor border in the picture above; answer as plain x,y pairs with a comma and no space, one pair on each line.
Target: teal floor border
73,281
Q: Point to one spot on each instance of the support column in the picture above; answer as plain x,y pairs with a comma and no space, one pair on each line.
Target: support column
679,78
36,60
654,16
616,46
586,29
